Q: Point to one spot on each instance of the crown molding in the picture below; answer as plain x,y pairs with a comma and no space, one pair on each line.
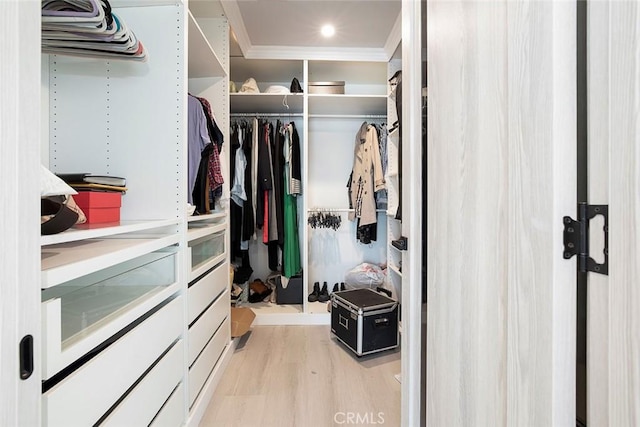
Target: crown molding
232,11
317,53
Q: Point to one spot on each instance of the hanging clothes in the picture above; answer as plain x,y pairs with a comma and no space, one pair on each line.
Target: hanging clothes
277,164
200,194
396,96
264,181
238,193
366,176
381,195
215,176
271,172
209,178
255,129
197,140
235,211
291,250
248,216
295,174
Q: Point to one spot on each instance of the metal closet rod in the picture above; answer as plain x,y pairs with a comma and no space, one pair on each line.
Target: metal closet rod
321,116
265,115
348,116
318,210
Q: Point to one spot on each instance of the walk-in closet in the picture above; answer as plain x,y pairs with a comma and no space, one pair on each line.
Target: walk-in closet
245,211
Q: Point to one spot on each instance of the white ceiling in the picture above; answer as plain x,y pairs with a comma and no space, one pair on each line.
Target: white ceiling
290,29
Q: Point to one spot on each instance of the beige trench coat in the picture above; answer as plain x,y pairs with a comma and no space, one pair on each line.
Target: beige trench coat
366,176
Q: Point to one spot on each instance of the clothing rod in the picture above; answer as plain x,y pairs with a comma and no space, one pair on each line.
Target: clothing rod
348,116
258,115
318,210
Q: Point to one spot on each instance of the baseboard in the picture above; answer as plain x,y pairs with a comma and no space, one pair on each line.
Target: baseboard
273,319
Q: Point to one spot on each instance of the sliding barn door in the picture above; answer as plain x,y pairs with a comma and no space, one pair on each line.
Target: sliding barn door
501,174
613,319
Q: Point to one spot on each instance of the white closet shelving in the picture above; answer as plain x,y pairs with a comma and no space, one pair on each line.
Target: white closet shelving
266,73
327,124
117,299
209,345
392,177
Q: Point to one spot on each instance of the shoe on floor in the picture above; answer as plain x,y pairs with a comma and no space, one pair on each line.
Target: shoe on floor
313,296
324,293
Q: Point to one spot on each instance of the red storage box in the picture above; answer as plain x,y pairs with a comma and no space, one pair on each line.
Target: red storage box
99,206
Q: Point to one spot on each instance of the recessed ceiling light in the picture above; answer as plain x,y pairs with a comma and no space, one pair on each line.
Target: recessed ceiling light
328,30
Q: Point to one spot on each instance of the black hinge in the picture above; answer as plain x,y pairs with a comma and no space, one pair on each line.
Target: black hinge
576,238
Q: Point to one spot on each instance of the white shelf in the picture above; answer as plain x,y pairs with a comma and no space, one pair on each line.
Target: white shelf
92,231
208,217
67,261
196,233
395,270
395,249
270,103
321,104
203,61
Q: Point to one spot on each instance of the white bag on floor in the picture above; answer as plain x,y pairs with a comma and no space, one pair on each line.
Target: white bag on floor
365,275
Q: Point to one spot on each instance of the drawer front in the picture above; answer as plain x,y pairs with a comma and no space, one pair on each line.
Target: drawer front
80,314
205,290
172,413
84,396
207,324
145,400
205,251
200,370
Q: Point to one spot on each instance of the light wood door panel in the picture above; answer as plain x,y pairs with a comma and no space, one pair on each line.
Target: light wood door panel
614,178
501,174
598,192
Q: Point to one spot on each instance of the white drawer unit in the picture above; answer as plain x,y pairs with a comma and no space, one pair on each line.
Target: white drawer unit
202,330
204,364
80,314
172,413
86,394
205,290
142,404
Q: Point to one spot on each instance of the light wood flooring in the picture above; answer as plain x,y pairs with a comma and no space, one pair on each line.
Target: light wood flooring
300,376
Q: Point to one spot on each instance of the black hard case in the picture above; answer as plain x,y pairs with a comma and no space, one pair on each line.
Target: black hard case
364,320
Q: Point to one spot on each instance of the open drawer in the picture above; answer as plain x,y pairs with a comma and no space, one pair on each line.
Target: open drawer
81,314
